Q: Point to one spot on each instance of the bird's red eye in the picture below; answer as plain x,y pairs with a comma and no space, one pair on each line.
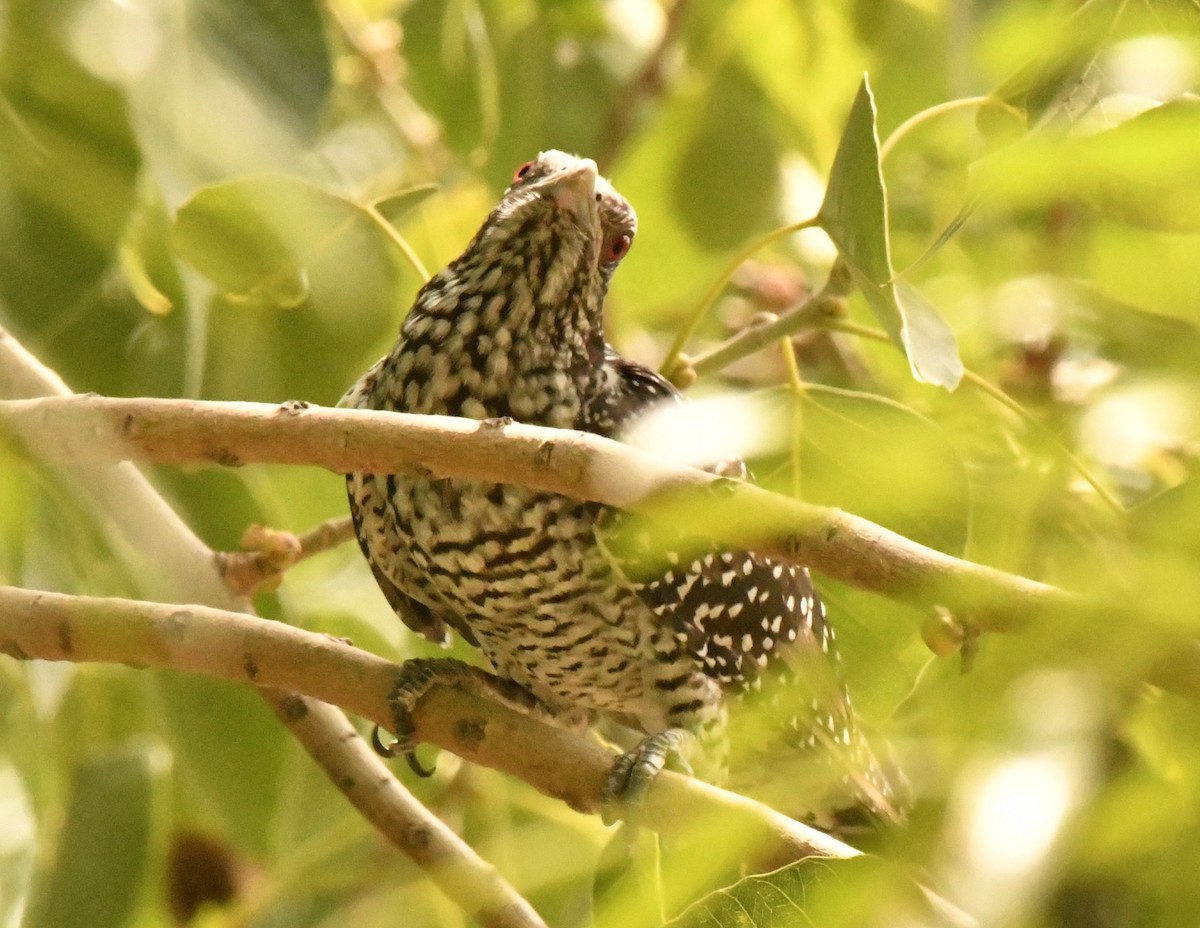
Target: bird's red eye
522,171
615,249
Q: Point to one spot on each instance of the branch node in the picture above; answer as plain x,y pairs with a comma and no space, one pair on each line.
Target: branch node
292,407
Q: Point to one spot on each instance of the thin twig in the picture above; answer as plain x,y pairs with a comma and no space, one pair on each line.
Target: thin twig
757,337
670,362
270,553
474,884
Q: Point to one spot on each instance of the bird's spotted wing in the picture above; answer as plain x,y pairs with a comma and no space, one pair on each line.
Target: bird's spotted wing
758,627
740,614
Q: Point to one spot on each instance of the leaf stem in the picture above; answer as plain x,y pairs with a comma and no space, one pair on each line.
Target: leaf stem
399,241
796,385
924,116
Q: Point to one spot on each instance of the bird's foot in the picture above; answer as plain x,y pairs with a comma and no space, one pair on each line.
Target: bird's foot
634,771
418,676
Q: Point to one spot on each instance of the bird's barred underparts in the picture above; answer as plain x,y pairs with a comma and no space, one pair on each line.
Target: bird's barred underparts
586,611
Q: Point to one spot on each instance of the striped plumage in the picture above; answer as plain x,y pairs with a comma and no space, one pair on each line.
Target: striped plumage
558,593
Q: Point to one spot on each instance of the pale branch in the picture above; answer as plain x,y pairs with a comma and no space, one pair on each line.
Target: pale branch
243,649
172,563
836,543
474,884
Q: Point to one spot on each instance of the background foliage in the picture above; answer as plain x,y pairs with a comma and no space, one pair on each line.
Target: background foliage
190,197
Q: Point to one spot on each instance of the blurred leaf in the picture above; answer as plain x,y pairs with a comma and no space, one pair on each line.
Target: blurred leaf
814,893
627,887
145,257
69,166
278,48
105,843
398,205
1066,50
68,162
276,242
255,236
644,292
449,75
1145,334
578,86
881,460
215,87
1146,171
854,215
741,192
1168,520
232,747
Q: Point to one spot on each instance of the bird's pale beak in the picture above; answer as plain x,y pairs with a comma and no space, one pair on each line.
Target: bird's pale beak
575,190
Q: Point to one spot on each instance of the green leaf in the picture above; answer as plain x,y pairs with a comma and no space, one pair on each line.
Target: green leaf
627,887
398,205
255,236
105,842
1145,171
854,211
230,87
814,893
144,254
1167,521
1068,48
927,335
733,208
854,214
927,498
208,721
69,160
273,242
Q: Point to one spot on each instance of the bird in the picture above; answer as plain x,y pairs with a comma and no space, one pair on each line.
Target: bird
581,615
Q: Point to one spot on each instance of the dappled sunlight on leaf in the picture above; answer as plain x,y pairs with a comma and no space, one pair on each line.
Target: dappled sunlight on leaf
1008,814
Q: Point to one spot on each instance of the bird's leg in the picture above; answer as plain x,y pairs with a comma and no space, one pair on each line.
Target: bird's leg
418,676
634,771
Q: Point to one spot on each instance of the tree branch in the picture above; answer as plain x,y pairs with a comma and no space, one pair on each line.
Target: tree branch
465,877
173,564
836,543
244,649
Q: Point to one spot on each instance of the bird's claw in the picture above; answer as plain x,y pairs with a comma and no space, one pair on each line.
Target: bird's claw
632,773
416,677
407,747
